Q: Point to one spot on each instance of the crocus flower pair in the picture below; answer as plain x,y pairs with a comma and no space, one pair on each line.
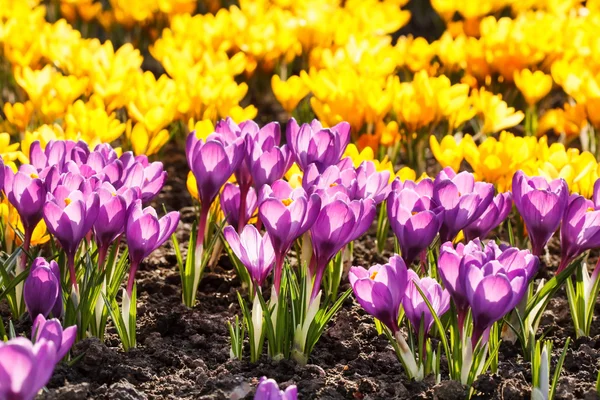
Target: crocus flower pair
382,289
26,366
489,280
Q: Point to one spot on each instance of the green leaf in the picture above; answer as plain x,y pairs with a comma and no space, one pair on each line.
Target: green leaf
558,369
443,338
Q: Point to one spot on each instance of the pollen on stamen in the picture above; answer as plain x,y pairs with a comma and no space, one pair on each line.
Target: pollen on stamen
34,176
333,184
373,275
67,201
286,202
590,209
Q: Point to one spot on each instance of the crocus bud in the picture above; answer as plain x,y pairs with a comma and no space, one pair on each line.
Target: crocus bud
541,205
25,368
212,163
52,331
415,307
230,204
269,390
42,290
414,218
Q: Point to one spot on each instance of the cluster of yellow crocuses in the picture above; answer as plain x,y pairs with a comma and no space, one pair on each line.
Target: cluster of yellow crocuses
165,67
496,160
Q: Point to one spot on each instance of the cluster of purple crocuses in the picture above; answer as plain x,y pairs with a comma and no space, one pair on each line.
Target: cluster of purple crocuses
86,196
336,202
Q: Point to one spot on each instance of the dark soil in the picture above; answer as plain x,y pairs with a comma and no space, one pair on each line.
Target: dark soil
184,353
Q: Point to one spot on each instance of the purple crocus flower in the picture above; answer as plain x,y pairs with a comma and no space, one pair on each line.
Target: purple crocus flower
27,193
339,222
311,143
69,217
415,307
491,295
579,231
146,233
57,153
212,163
491,218
25,368
286,214
414,218
451,267
42,290
51,330
148,177
463,200
112,213
230,204
372,184
255,252
268,389
256,139
269,165
334,179
541,205
380,290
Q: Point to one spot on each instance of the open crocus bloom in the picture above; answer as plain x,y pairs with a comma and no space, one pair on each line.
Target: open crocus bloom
380,290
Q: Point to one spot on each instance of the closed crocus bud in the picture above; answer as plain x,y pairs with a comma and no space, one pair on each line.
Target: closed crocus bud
52,331
380,290
492,292
42,291
254,251
25,368
267,166
269,390
112,212
212,163
371,183
491,218
579,231
541,205
415,220
230,204
311,143
27,193
145,232
463,200
415,307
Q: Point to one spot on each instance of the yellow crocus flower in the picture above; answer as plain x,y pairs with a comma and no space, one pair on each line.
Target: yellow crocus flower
533,85
497,115
289,92
448,152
